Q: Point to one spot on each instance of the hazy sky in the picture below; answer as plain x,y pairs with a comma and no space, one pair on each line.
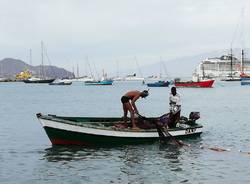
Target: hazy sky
115,30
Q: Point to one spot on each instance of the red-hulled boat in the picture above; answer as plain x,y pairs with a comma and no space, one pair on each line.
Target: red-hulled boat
195,84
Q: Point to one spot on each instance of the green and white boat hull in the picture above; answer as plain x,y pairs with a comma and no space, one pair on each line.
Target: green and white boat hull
92,131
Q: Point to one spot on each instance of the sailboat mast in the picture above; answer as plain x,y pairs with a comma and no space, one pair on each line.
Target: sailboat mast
73,70
242,61
137,64
117,69
42,59
165,68
30,57
87,59
77,70
231,63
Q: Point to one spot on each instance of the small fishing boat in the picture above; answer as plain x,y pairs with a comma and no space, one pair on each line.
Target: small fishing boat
100,131
159,84
195,84
197,81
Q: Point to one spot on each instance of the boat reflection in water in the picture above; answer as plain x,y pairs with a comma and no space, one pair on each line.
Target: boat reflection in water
73,153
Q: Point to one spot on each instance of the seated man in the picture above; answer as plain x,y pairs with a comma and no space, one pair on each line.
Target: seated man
128,102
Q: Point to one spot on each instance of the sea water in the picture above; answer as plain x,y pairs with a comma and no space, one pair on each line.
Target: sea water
27,156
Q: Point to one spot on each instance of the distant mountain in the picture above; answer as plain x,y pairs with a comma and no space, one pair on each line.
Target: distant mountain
10,67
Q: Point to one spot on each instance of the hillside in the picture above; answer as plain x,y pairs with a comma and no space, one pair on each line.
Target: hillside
9,67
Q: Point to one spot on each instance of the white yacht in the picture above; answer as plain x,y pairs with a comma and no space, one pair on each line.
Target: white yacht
133,78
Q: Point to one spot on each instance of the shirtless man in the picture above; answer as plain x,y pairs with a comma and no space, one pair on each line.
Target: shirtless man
128,101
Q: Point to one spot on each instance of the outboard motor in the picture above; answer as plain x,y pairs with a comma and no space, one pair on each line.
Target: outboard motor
193,116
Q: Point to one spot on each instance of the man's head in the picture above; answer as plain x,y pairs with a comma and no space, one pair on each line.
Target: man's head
144,94
173,90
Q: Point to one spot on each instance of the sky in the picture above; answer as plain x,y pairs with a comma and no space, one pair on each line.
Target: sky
115,34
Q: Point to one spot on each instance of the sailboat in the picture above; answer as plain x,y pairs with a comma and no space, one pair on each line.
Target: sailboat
79,78
117,77
160,81
134,77
231,77
104,81
43,78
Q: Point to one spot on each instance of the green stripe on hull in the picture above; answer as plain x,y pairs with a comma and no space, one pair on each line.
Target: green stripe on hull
64,137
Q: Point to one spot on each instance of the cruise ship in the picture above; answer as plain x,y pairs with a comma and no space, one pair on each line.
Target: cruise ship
224,67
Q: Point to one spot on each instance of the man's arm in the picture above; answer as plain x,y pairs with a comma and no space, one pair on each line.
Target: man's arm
133,103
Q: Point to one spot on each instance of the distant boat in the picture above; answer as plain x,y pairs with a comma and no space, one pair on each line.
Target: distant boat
232,75
3,79
133,78
244,78
159,84
38,80
42,79
199,83
61,82
118,79
104,80
24,75
231,79
82,79
101,82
